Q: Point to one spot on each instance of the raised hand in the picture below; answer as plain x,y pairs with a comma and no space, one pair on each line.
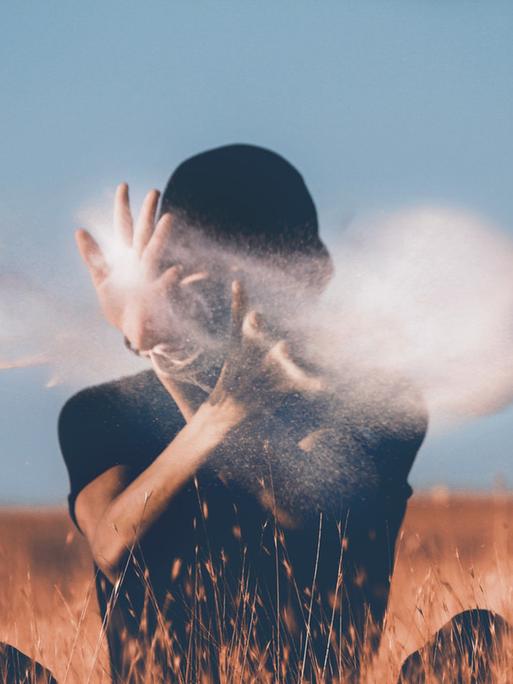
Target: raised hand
134,287
258,369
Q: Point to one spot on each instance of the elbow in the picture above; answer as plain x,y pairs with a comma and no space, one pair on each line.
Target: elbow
110,567
110,553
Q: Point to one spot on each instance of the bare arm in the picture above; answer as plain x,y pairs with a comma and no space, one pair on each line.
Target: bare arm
114,516
187,397
113,511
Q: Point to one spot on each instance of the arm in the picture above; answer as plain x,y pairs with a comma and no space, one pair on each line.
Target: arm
114,512
115,515
187,397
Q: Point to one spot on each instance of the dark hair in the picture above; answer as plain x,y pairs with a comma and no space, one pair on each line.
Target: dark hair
249,198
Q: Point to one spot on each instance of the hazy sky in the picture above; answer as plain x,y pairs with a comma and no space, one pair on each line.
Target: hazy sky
379,104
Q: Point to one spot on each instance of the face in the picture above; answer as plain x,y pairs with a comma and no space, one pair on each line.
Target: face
199,305
198,317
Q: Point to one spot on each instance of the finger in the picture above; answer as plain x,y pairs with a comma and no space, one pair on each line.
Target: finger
257,334
296,379
194,278
239,305
254,328
123,224
146,221
92,256
169,279
159,244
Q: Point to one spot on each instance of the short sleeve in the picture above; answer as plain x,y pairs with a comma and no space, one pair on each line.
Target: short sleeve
125,422
92,439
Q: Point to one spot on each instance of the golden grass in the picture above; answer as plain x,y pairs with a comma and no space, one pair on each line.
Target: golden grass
454,553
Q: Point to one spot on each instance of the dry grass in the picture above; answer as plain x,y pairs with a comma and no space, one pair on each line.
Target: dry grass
454,553
47,599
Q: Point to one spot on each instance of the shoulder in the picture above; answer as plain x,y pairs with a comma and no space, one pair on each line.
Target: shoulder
108,411
405,414
126,422
384,403
381,419
123,394
398,420
114,390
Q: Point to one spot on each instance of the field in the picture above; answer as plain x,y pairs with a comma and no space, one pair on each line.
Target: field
455,552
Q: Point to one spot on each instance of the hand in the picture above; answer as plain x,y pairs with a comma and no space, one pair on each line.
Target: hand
134,288
258,369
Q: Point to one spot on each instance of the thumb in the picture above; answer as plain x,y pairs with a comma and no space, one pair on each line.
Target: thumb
92,256
295,377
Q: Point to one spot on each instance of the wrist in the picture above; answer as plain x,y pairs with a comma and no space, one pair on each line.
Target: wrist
220,418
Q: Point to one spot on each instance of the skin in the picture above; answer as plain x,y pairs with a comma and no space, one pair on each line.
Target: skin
115,511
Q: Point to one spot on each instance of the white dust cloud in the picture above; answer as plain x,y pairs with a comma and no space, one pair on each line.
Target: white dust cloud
42,327
428,293
424,295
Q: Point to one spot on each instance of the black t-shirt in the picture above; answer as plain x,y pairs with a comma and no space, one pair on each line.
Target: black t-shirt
182,595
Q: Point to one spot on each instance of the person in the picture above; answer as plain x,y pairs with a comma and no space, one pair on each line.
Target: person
467,648
237,521
18,668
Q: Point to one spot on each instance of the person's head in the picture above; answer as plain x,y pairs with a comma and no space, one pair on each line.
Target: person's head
241,209
250,200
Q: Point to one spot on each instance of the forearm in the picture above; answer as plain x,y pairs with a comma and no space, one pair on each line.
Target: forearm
187,397
130,515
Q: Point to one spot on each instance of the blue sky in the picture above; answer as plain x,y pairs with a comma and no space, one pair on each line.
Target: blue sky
379,104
